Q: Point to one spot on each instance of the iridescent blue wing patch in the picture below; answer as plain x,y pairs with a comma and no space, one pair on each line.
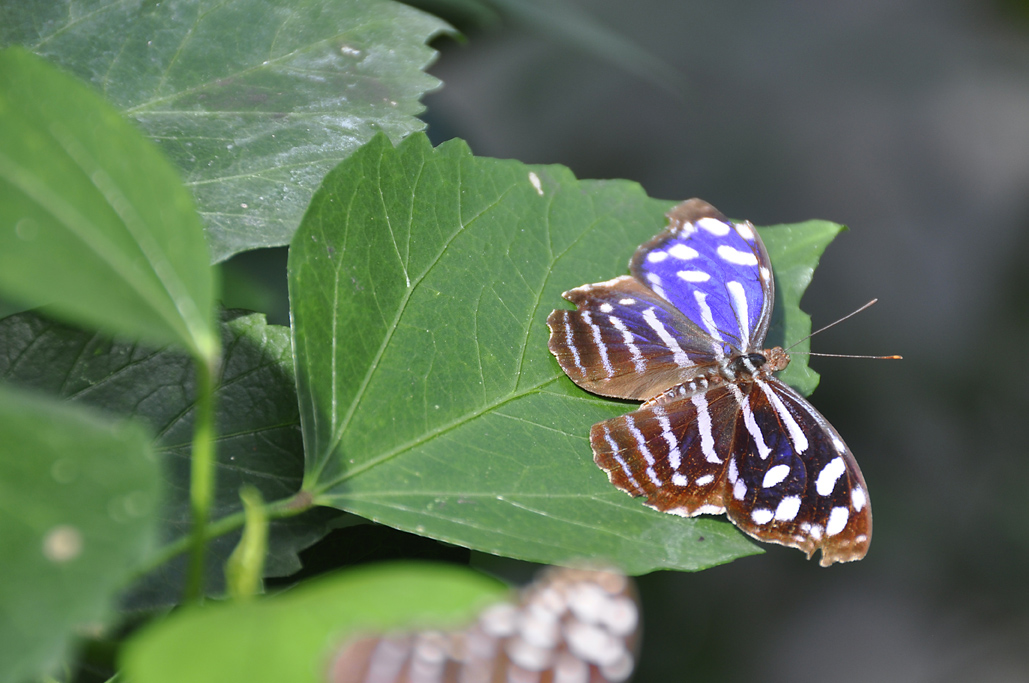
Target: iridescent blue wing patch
714,271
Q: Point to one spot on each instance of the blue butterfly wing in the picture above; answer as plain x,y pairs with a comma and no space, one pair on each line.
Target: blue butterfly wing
714,271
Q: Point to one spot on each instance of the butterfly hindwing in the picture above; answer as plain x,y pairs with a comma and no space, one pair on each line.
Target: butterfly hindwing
792,480
670,453
714,271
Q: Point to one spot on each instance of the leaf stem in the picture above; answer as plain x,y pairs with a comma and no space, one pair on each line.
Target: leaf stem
280,509
202,476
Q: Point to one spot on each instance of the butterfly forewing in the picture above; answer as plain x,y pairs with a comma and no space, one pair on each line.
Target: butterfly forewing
714,271
625,341
569,626
717,432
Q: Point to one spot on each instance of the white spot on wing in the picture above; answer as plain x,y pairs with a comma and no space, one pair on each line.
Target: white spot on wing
837,520
762,516
787,509
841,448
705,480
535,180
829,475
655,284
693,276
657,256
737,257
739,489
682,252
858,498
606,307
745,231
775,476
627,302
680,479
713,226
709,510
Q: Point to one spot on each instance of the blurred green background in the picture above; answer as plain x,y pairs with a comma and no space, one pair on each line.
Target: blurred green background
906,120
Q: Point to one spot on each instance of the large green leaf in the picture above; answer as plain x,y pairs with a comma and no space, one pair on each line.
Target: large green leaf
420,283
254,100
78,503
93,219
257,423
291,637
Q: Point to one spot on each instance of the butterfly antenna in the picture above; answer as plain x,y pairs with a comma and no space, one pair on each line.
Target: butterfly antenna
839,355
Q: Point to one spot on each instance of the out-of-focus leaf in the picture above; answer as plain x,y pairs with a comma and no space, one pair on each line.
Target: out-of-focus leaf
78,512
93,219
291,637
257,423
254,100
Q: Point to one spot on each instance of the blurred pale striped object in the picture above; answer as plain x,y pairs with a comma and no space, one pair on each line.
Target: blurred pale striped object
568,626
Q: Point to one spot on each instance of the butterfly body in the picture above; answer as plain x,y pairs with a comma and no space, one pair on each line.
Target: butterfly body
717,431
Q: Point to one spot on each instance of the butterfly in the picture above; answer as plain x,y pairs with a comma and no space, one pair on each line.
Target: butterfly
569,626
718,432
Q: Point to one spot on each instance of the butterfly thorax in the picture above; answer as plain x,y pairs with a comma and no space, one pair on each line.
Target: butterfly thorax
745,366
742,367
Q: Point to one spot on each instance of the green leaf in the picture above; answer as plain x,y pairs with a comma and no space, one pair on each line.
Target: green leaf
254,100
78,503
420,283
291,637
795,251
93,219
257,420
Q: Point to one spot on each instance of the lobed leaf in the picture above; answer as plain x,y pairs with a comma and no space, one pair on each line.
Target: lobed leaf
253,100
420,282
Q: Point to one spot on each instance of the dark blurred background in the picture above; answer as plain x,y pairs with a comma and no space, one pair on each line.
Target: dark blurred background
907,120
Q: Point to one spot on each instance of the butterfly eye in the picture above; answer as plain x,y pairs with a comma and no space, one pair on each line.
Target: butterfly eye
717,431
569,626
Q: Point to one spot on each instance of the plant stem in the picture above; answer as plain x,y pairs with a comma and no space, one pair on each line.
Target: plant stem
280,509
202,476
